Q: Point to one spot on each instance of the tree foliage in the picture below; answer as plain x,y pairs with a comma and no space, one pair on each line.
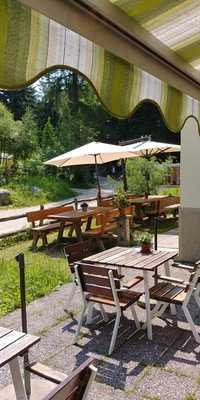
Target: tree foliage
145,176
62,112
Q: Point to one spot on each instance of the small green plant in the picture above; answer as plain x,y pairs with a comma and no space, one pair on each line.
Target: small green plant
145,238
121,198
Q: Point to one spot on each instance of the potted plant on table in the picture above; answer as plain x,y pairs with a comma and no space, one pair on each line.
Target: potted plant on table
121,201
84,206
145,241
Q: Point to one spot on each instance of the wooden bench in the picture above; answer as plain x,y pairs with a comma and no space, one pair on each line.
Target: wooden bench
169,205
172,209
40,228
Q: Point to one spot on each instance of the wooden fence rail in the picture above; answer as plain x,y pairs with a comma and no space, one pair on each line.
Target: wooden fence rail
75,201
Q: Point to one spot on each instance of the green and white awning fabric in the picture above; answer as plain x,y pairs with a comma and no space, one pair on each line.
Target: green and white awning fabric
176,23
31,44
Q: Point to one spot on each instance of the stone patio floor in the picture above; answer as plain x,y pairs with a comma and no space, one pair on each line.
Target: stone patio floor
166,368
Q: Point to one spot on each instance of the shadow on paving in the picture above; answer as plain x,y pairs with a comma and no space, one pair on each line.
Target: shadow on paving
134,353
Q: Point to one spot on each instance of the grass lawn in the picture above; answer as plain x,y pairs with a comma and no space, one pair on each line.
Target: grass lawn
46,270
51,189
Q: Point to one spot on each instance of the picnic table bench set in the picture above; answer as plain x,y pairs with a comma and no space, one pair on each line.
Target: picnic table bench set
56,219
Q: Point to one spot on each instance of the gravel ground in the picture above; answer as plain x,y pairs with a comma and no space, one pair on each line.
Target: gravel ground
165,368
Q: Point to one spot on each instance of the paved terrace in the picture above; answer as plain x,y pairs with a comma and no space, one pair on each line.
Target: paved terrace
166,368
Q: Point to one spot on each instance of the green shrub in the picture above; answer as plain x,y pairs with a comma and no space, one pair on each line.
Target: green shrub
50,188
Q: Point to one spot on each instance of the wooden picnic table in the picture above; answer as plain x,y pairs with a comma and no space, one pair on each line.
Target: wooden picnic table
12,345
76,217
132,258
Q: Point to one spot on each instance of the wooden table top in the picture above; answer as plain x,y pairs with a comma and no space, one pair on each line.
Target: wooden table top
131,258
78,214
150,199
14,343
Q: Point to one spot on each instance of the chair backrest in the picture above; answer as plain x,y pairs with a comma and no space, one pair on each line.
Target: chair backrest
106,202
41,215
112,215
133,196
95,280
76,386
168,201
77,251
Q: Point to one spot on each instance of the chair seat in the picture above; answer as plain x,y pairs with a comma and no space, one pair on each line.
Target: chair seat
50,227
168,292
100,230
126,298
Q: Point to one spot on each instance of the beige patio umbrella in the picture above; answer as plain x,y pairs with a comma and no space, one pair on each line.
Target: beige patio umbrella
91,153
148,149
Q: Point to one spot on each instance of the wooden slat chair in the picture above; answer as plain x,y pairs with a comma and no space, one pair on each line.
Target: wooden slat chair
107,224
40,229
175,291
168,205
73,387
76,252
106,202
102,286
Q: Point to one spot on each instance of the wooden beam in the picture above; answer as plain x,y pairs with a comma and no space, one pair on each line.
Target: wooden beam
107,26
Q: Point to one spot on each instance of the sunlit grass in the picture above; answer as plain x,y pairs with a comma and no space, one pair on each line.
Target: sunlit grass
45,271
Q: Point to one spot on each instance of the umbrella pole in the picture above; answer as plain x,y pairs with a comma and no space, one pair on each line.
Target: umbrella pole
123,164
98,183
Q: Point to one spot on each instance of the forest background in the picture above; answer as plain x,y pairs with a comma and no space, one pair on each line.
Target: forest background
58,113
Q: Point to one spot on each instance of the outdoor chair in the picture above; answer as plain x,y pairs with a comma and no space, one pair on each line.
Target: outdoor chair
76,252
177,292
75,386
106,224
102,286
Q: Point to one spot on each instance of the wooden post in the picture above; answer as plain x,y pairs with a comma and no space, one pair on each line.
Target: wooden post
124,230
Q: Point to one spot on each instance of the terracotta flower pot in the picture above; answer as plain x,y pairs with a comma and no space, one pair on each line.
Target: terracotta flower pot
146,248
126,211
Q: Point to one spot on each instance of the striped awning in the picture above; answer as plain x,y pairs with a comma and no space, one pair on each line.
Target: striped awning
31,44
176,23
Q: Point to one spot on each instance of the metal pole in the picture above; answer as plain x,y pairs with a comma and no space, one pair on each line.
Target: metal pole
155,233
20,259
123,164
98,183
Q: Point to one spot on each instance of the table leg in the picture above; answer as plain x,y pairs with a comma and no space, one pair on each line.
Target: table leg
167,273
78,231
61,230
17,380
89,223
147,304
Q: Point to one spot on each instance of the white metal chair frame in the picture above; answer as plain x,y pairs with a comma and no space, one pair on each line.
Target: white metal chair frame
88,306
191,288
